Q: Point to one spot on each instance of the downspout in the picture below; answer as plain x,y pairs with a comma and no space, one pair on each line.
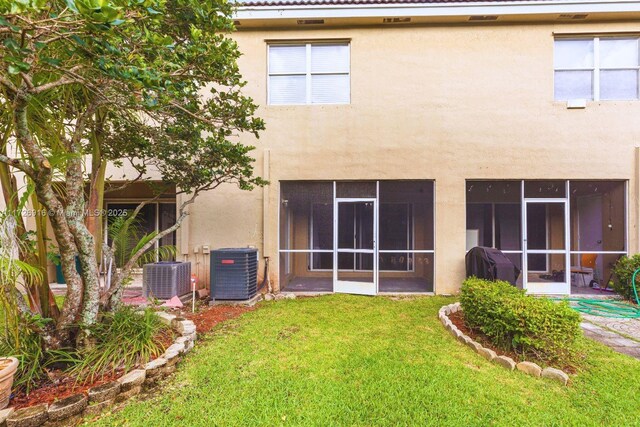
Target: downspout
266,216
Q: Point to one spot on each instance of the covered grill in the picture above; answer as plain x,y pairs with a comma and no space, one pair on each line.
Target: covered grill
490,264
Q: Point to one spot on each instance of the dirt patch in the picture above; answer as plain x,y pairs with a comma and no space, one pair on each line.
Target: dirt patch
207,318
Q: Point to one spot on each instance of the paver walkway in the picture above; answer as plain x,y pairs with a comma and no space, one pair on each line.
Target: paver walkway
622,335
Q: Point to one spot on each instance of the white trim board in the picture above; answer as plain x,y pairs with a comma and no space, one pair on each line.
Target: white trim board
435,9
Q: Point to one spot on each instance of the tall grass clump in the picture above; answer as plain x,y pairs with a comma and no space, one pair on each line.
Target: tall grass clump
122,340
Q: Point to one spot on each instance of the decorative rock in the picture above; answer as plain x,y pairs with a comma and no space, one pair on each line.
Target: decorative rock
462,338
181,340
487,353
129,393
32,416
555,374
453,308
188,346
165,318
176,347
202,293
447,310
279,297
154,367
73,420
96,408
131,380
290,296
168,370
67,407
192,336
104,392
529,368
4,414
474,345
172,357
183,327
505,362
268,297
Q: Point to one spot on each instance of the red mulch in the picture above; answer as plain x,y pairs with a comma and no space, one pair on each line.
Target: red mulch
207,318
62,387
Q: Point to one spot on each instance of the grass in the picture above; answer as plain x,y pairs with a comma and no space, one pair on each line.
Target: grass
349,360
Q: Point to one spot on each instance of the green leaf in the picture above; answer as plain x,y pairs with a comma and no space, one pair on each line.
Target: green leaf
71,4
52,61
10,43
13,69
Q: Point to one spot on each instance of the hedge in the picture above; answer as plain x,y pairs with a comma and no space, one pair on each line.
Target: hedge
622,275
534,328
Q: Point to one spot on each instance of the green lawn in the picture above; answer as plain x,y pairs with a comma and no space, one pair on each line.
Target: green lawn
349,360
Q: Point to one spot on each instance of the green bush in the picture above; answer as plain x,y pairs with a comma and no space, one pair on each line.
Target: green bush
622,274
534,328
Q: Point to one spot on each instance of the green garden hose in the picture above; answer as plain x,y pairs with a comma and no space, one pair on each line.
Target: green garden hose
608,308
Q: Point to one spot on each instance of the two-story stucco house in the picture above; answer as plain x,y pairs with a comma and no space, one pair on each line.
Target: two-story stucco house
401,133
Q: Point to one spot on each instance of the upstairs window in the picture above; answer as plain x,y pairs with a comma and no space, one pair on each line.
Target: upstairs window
596,68
310,73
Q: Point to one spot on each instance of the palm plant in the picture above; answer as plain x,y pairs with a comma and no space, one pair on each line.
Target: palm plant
127,238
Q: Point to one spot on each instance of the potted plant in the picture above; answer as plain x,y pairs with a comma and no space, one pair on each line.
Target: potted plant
8,367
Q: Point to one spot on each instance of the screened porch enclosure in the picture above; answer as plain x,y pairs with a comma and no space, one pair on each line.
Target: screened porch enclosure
565,236
357,237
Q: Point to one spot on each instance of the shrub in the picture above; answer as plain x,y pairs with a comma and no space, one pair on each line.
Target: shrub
123,339
25,342
532,327
622,274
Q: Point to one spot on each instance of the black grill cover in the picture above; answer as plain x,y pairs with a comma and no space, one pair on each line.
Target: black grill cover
490,264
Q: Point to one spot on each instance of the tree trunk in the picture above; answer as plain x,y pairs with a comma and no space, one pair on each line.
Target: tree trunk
75,213
95,204
47,299
47,196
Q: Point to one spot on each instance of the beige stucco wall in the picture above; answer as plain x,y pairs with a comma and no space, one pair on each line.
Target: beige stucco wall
447,103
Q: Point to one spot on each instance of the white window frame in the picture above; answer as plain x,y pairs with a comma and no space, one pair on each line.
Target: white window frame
597,68
307,73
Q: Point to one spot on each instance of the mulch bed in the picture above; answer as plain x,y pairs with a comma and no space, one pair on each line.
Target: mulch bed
60,385
63,386
208,317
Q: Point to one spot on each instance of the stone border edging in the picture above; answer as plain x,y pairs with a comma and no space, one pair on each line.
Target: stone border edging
506,362
70,410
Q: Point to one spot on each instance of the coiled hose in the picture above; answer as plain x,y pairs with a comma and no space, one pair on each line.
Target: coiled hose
608,308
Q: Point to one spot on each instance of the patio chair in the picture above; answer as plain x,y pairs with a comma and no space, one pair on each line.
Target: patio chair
585,270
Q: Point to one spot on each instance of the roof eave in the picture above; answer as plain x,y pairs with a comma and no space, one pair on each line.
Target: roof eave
535,7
